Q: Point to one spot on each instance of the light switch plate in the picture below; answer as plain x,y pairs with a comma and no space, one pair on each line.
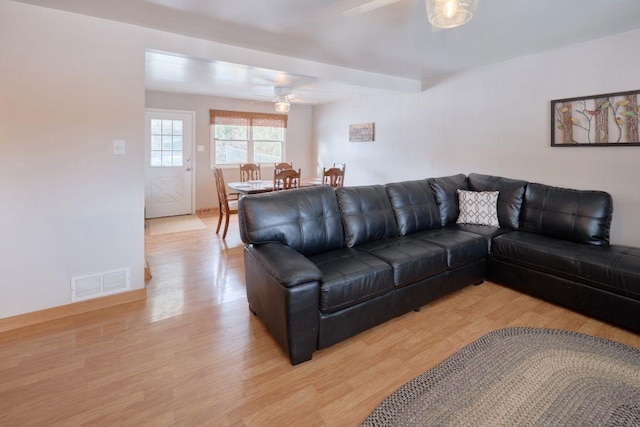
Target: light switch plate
200,148
118,146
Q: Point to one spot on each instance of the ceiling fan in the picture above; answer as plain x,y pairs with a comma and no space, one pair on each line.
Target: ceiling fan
283,98
441,13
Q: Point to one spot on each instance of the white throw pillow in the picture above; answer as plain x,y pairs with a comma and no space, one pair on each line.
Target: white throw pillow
478,207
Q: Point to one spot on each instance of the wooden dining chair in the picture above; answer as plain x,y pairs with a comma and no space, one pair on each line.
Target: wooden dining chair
286,179
333,177
226,206
250,172
279,167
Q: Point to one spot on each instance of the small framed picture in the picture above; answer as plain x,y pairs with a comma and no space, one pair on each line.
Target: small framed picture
363,132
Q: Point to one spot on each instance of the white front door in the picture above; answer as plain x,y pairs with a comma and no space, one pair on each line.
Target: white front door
169,169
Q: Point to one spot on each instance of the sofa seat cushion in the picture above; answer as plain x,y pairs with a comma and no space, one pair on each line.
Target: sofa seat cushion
350,277
411,259
461,247
485,231
612,268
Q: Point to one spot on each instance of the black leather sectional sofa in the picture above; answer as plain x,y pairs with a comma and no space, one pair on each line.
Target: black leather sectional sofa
323,265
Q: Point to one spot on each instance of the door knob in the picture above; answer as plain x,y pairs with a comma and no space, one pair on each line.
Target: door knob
188,169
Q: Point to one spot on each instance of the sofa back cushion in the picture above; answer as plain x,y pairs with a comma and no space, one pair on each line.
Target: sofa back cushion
306,219
578,216
414,206
445,190
366,214
510,197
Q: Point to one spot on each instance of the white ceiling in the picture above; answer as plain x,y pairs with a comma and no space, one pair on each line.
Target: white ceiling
177,73
394,40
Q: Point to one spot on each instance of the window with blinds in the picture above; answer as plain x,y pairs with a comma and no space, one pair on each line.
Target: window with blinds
243,137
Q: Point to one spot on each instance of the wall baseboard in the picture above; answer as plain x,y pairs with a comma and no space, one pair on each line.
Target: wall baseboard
207,211
41,316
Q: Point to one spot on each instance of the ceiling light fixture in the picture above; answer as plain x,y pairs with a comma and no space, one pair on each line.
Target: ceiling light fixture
282,105
450,13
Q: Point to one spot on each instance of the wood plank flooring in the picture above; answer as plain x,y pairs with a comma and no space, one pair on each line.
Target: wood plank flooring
192,354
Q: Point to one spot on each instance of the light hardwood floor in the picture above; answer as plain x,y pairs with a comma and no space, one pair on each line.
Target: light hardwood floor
192,354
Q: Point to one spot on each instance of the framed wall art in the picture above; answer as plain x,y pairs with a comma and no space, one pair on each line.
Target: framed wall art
363,132
596,121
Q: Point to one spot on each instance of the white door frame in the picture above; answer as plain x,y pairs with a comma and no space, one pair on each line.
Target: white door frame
193,148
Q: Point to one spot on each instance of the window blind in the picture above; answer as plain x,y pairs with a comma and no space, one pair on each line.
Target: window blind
242,118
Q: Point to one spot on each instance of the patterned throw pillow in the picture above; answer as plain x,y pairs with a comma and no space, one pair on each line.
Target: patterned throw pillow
478,207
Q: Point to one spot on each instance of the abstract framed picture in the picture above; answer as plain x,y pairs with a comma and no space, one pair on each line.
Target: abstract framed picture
362,132
604,120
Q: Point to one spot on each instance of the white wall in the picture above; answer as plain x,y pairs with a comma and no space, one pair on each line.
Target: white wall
298,145
70,86
495,120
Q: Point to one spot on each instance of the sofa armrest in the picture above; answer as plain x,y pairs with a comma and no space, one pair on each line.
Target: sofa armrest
287,266
283,290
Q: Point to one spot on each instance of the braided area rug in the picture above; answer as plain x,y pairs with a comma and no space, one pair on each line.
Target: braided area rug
523,377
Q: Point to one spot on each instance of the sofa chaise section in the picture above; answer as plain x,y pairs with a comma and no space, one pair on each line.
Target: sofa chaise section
562,254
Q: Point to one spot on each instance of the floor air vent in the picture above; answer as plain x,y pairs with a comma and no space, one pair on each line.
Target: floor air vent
99,285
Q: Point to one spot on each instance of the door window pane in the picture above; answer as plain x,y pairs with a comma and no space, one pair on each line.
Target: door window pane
156,142
156,127
166,143
177,127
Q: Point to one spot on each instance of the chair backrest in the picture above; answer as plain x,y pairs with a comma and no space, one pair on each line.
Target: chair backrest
221,188
333,177
340,165
279,167
286,179
250,172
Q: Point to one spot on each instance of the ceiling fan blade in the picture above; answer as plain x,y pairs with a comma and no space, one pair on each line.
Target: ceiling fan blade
281,91
262,96
302,101
369,6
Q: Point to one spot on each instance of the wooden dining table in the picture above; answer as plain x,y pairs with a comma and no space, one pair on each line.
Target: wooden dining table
265,186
